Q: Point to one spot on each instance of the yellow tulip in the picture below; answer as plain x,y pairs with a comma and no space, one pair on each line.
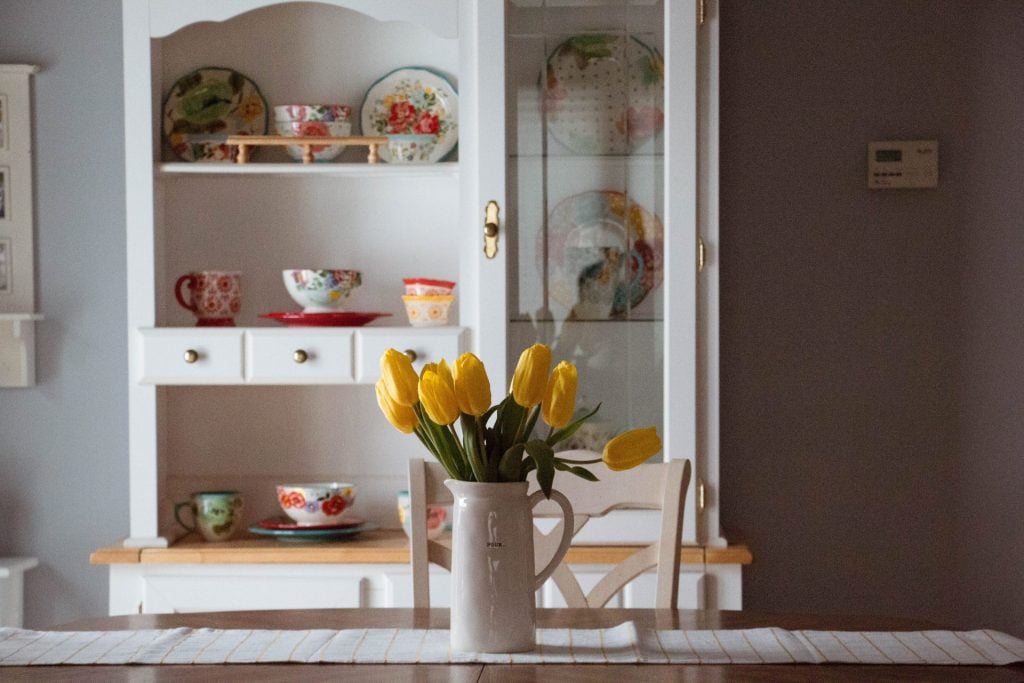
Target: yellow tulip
631,448
446,373
560,396
399,377
472,388
531,376
437,395
402,418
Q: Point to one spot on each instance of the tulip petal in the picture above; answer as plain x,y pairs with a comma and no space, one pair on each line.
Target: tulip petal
399,377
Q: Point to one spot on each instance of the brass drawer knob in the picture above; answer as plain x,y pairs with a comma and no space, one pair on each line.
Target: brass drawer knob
411,354
300,356
191,356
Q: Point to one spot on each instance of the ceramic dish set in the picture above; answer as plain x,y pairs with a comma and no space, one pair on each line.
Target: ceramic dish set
415,108
427,301
322,293
314,512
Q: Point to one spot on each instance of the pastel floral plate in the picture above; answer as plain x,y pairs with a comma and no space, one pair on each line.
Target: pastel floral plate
332,319
307,534
604,94
413,101
605,254
205,106
282,523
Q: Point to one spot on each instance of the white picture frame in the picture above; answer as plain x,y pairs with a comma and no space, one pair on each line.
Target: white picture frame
5,194
6,271
17,286
3,122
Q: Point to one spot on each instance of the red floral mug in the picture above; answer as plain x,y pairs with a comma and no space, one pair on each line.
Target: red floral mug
214,296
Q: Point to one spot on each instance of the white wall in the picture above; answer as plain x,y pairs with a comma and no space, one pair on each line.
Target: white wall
63,443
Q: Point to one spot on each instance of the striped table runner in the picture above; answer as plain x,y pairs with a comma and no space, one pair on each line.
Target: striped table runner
621,644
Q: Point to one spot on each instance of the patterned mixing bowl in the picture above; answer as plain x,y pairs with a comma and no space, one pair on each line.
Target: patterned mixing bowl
316,504
323,290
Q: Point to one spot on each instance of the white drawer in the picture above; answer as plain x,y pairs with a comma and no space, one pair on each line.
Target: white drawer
299,356
215,355
430,344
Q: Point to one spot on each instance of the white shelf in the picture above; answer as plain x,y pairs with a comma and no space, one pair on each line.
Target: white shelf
362,170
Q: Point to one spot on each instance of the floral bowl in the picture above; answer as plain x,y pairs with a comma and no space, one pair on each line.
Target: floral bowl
422,286
319,129
320,291
439,517
316,504
410,147
427,311
312,112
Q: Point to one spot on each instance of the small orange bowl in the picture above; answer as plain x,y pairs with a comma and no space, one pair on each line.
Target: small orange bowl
427,311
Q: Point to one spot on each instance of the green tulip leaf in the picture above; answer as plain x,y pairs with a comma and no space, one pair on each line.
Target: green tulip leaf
544,458
581,472
570,429
510,467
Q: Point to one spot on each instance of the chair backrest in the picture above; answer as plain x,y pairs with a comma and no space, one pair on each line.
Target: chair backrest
660,486
426,485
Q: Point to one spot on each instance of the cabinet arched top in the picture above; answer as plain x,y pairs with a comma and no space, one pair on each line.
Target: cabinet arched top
168,16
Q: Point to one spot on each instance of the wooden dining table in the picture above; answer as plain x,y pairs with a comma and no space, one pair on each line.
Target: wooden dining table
466,673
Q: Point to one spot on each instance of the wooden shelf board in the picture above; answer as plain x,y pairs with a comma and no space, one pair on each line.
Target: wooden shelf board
387,546
352,169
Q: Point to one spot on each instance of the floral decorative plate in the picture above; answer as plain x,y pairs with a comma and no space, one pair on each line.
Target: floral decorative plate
415,101
306,534
332,319
605,253
604,94
282,523
203,107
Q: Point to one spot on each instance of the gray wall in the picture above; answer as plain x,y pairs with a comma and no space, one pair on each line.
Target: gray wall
871,402
64,443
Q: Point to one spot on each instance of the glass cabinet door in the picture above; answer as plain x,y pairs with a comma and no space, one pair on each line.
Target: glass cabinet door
599,219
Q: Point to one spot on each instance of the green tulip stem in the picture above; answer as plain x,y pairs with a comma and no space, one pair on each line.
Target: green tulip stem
434,444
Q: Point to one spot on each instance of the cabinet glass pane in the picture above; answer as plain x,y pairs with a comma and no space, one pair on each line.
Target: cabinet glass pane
585,172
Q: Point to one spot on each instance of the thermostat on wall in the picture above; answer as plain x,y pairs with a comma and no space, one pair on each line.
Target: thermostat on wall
908,163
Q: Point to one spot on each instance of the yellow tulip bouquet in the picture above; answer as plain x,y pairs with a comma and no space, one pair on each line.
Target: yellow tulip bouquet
496,442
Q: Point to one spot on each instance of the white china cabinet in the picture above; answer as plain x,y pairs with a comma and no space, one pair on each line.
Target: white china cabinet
579,209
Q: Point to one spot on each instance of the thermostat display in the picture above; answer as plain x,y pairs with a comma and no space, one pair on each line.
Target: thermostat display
899,164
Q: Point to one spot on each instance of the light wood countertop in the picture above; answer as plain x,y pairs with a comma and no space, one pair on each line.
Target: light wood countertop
386,546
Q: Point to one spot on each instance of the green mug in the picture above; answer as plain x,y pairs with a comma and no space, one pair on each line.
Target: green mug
216,515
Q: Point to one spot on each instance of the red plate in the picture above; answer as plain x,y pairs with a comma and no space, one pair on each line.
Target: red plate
333,319
287,524
427,281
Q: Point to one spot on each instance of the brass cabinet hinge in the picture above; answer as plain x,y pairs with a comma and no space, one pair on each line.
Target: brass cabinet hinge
701,499
701,255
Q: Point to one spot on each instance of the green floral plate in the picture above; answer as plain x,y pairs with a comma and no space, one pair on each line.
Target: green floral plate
205,106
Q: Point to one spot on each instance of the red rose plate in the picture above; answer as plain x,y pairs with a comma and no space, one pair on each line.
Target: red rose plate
332,319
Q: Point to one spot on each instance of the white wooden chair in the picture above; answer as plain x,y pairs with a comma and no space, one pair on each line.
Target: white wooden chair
660,486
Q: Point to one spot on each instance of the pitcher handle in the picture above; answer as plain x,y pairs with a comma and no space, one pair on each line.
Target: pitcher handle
567,529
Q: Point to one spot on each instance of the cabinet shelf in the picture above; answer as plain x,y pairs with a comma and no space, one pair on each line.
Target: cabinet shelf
359,170
386,546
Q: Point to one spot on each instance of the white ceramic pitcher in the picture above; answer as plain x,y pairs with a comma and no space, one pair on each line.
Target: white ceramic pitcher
493,579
